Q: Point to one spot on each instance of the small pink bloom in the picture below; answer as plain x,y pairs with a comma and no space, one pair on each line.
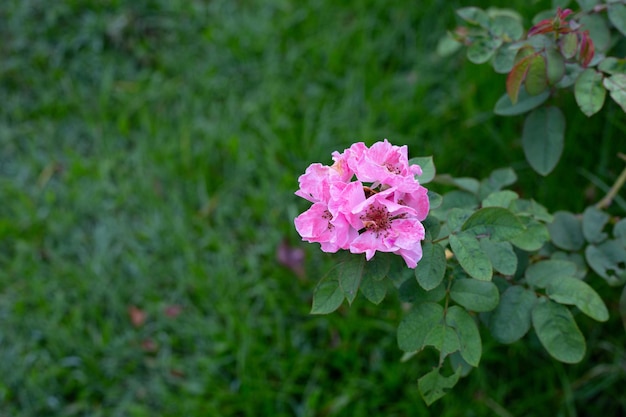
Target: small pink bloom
417,200
341,168
383,163
389,227
315,182
317,224
410,235
344,197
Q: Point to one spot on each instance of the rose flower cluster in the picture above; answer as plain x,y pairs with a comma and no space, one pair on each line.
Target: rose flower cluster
369,200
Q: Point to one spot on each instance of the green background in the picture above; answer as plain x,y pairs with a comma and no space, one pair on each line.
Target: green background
149,151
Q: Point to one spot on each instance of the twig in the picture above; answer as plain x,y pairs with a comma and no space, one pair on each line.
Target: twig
608,198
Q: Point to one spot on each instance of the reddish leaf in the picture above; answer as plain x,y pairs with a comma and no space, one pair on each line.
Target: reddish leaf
177,373
569,45
173,310
517,76
587,48
291,257
543,26
137,316
149,345
558,25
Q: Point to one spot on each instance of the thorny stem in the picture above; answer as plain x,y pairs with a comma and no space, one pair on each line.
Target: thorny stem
619,183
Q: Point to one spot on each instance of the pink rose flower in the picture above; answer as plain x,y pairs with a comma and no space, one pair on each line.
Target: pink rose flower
388,227
383,163
369,200
317,224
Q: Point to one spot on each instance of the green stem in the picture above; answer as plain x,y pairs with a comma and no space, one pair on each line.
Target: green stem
445,312
619,183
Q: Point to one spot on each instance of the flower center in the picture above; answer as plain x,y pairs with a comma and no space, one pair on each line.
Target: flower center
393,168
328,216
376,219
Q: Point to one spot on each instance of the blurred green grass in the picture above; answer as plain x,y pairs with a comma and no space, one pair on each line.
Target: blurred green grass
150,151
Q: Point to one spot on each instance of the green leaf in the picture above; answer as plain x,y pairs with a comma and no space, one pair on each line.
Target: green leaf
470,256
555,66
616,84
598,30
569,45
457,362
502,177
531,208
589,92
474,15
327,296
594,221
467,184
411,292
456,217
572,72
454,199
557,331
350,274
536,80
503,59
374,290
494,12
377,268
500,199
475,295
432,227
433,385
542,273
576,258
481,50
542,138
533,237
497,180
467,332
448,45
501,255
619,231
497,223
428,168
612,65
617,16
587,5
398,272
607,260
507,27
510,321
443,338
560,3
416,325
566,231
432,267
434,199
525,103
573,291
460,199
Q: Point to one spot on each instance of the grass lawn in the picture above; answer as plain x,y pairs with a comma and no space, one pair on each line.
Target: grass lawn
149,151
